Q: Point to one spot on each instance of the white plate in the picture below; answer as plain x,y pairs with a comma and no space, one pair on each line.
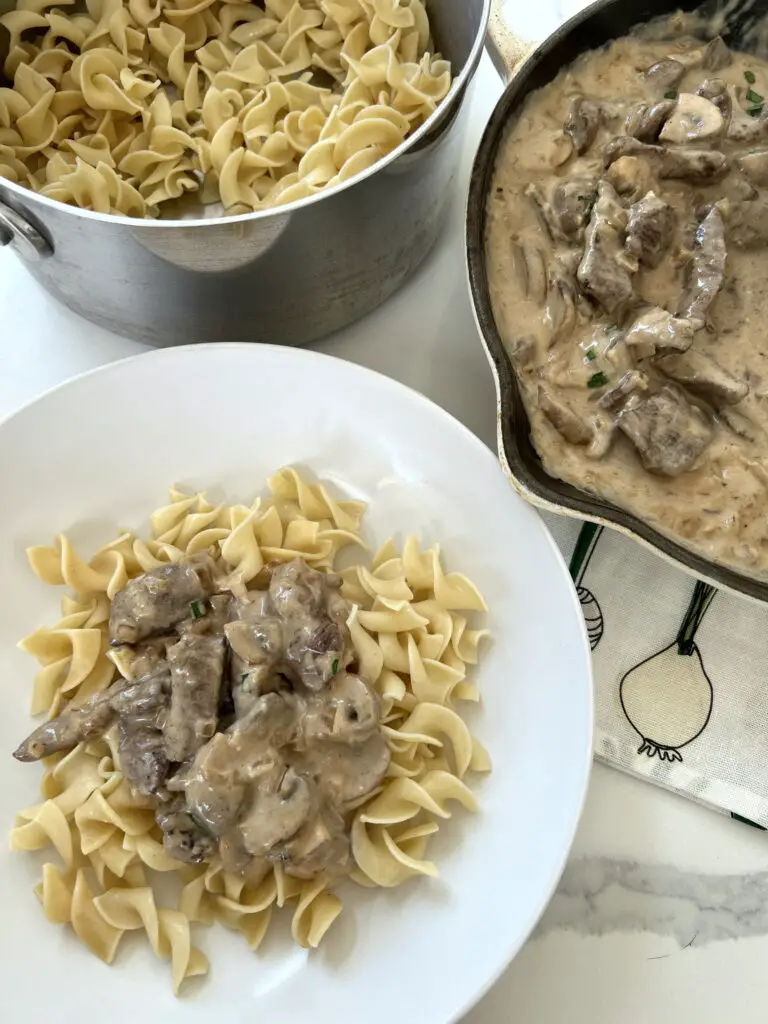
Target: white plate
98,453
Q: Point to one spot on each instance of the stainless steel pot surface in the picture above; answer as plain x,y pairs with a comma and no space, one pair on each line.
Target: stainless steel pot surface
593,27
287,276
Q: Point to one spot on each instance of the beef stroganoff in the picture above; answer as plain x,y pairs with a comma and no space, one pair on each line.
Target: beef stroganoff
627,253
222,704
126,106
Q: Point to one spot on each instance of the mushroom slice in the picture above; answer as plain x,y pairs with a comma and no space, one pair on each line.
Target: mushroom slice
565,421
582,123
754,166
656,330
694,119
531,270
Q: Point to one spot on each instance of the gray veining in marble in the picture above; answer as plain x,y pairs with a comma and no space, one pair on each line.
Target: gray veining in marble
598,895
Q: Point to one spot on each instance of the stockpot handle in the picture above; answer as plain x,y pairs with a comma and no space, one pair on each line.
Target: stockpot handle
16,231
506,49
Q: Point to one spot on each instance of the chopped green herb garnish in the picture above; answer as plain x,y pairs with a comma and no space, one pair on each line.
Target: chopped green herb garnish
197,608
244,676
755,111
754,97
611,328
670,94
597,380
591,354
335,666
750,77
589,201
196,820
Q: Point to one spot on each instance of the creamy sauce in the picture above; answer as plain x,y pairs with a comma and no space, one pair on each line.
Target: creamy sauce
620,270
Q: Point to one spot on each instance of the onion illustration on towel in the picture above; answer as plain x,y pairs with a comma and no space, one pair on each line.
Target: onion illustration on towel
583,550
667,698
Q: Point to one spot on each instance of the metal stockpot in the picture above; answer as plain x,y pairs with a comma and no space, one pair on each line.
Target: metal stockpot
288,275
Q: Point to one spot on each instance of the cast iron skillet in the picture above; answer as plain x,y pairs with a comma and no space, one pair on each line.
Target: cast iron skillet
598,24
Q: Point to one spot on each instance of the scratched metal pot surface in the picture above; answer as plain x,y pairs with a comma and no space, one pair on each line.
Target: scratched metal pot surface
286,276
596,25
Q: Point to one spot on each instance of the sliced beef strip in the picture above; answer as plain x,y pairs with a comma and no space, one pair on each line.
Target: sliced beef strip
141,744
655,330
646,122
89,720
197,665
74,725
707,269
650,229
602,273
582,123
703,377
666,74
668,432
157,601
184,838
697,166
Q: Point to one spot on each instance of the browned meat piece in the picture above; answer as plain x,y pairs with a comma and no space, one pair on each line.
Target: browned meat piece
183,838
649,230
716,91
197,665
697,166
747,221
73,726
669,433
707,268
315,614
704,377
570,207
602,272
143,706
666,74
157,601
582,123
563,418
755,166
717,55
629,383
694,119
646,122
656,330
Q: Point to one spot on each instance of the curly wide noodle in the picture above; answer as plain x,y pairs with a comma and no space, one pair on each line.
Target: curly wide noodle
131,105
412,640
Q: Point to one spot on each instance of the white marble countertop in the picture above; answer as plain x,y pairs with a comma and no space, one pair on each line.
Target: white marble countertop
662,914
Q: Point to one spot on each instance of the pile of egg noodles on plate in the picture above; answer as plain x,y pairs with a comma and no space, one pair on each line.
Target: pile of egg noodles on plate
126,106
410,625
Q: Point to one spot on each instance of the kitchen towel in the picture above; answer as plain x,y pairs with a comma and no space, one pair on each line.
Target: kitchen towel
681,672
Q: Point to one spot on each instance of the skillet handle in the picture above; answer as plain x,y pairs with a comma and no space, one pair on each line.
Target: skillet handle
506,49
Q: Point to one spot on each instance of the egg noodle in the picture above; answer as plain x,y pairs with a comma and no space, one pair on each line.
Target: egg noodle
413,642
126,105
